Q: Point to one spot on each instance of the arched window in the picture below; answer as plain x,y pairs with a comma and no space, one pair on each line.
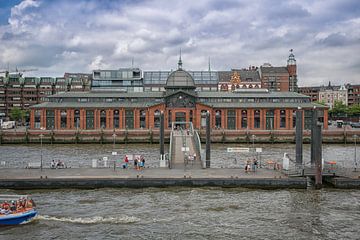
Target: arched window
243,119
102,119
224,87
116,119
203,118
77,118
282,118
218,119
257,119
157,118
63,118
142,118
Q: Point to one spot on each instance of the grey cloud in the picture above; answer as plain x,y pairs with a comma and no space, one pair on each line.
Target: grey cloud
60,36
334,40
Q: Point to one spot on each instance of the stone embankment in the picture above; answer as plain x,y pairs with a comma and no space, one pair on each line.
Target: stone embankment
342,135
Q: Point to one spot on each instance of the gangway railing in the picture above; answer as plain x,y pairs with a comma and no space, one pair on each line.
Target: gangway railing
170,150
201,152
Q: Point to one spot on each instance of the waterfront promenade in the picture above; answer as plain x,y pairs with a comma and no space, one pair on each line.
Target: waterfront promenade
18,178
152,177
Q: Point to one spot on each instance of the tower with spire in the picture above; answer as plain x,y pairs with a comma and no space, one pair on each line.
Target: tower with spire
180,62
291,67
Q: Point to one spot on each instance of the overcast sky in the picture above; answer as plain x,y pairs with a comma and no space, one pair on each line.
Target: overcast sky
60,36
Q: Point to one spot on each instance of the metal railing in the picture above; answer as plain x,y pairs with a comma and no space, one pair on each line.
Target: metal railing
170,150
201,152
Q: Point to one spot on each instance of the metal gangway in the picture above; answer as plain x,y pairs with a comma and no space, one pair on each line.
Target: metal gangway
185,147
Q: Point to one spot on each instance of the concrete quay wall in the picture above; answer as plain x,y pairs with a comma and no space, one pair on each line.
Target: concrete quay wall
346,183
92,183
152,136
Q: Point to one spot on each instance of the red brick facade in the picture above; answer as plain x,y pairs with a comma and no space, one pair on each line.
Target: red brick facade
196,118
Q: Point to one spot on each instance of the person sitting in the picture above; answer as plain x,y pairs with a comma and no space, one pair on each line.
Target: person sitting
19,206
60,164
28,204
13,206
6,205
52,165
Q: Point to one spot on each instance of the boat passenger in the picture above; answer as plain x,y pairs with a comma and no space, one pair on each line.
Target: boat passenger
13,206
19,206
6,205
28,204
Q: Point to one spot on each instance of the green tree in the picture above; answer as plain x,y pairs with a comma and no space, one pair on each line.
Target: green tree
354,110
16,114
339,108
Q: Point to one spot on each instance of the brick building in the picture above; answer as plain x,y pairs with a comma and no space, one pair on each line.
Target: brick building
280,79
23,92
249,108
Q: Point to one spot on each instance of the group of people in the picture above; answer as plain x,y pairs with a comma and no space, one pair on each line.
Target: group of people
20,205
139,162
251,165
57,164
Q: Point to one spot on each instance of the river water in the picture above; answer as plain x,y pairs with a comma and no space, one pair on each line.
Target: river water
192,213
181,212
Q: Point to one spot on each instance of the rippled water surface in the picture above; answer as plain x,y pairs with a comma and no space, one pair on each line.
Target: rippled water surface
192,213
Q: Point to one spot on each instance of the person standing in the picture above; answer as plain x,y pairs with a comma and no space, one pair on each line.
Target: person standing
143,161
126,162
254,165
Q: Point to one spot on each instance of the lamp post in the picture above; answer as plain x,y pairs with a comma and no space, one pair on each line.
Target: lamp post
114,136
41,153
355,162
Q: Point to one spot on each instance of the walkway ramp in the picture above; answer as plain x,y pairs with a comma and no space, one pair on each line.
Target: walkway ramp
183,148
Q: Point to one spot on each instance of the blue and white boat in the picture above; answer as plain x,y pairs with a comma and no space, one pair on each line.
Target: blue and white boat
16,217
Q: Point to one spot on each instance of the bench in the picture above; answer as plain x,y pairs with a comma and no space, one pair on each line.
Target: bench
33,165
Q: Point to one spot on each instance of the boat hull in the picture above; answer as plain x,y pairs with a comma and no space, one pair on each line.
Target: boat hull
17,218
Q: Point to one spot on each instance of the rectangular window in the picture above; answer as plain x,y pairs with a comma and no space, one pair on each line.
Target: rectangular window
270,119
308,119
129,119
89,119
231,119
50,119
243,119
282,118
257,119
37,119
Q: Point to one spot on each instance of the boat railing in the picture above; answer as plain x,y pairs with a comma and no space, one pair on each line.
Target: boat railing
8,197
